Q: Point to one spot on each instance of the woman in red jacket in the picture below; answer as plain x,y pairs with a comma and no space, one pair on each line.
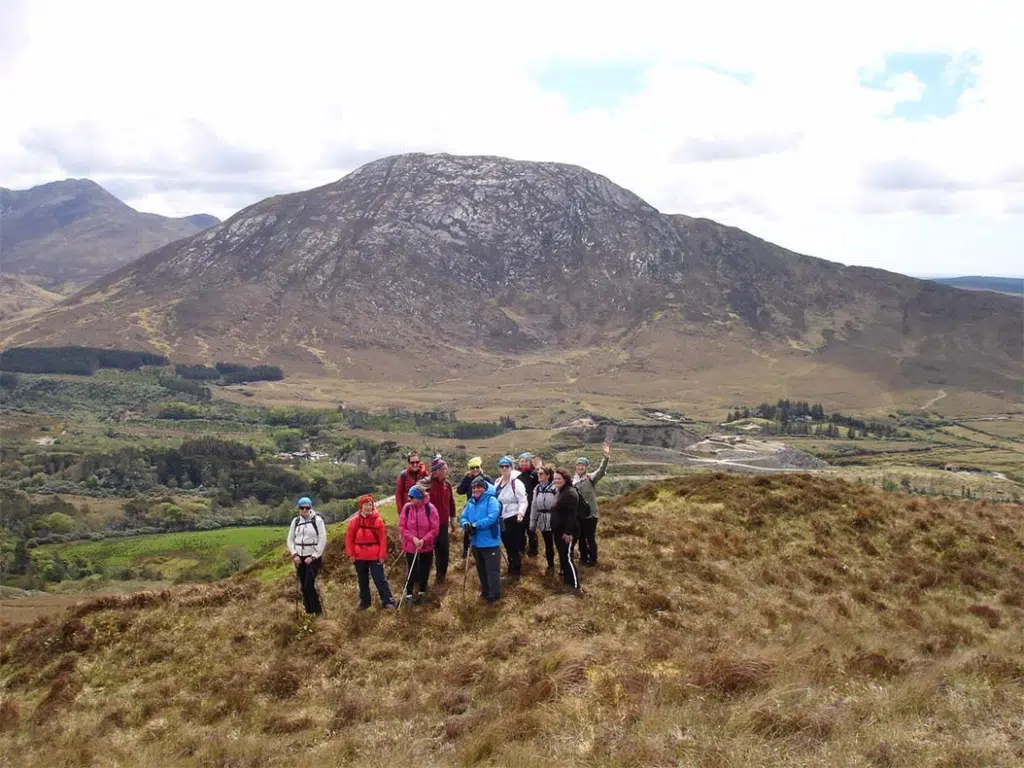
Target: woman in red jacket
419,523
366,543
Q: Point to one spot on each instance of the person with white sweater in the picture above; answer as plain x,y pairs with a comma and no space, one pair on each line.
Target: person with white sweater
512,494
307,537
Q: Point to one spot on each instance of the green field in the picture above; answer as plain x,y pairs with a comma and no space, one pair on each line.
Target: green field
171,556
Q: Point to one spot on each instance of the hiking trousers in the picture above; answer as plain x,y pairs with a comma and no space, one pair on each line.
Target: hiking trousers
588,541
365,569
488,568
512,538
570,575
306,575
421,572
442,550
549,547
530,546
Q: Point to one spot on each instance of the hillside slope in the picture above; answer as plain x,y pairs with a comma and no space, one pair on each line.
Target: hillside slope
74,230
734,621
422,268
18,296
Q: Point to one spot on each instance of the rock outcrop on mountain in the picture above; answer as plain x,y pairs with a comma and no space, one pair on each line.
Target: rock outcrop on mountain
420,267
76,231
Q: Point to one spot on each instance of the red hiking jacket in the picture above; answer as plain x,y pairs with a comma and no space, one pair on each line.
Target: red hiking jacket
404,484
366,538
442,497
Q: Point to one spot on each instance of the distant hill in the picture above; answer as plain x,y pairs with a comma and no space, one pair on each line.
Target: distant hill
74,230
1011,285
422,268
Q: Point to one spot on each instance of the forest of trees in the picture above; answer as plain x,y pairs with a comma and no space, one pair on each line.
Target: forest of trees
82,361
229,373
799,417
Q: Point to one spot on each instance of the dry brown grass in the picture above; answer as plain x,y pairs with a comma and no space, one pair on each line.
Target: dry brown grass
734,621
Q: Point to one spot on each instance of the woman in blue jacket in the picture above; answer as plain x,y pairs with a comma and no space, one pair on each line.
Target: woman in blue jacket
480,524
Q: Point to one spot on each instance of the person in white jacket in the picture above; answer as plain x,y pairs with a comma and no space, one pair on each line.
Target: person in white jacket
307,537
512,494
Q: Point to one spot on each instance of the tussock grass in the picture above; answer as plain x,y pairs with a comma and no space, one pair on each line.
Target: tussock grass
734,621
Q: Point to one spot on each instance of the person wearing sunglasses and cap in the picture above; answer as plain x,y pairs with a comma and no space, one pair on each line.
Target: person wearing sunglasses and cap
512,494
307,537
474,469
408,477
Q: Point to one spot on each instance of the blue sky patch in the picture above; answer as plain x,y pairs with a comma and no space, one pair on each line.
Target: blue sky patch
944,79
593,86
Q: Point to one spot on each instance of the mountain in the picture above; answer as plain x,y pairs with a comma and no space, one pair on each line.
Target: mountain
424,267
1011,285
18,295
74,230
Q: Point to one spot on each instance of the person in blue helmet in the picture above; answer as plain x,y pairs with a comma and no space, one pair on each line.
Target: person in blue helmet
514,502
480,523
307,537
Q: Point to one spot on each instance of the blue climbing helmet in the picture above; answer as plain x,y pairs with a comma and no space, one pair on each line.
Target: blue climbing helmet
305,501
415,493
505,461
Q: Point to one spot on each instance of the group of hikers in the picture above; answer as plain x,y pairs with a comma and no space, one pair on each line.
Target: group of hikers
525,504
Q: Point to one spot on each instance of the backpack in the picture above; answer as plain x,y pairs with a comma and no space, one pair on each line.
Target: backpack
308,521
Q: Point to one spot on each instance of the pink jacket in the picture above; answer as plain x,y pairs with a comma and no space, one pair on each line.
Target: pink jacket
422,521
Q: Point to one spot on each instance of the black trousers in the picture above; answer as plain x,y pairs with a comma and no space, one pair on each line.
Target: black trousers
588,541
306,575
530,542
569,573
549,547
512,537
364,570
442,550
488,568
420,575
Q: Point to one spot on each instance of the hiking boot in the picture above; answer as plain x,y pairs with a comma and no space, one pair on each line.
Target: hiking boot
390,606
362,606
550,570
408,601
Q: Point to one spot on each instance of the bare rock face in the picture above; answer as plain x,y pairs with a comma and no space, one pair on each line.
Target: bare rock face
74,230
415,265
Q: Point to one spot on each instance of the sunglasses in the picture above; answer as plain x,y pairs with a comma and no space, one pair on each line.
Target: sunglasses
414,463
305,507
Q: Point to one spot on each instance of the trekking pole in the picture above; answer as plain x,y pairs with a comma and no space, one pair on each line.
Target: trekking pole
412,568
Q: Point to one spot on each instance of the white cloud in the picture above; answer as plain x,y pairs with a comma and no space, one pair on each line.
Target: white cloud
192,106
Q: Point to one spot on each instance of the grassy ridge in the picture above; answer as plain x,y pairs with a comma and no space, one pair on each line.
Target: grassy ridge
734,621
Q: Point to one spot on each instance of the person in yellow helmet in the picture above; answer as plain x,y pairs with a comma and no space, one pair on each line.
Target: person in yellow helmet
474,469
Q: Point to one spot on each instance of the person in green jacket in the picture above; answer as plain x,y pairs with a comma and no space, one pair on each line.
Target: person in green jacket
584,483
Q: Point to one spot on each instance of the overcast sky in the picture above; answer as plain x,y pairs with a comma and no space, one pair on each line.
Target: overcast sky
863,132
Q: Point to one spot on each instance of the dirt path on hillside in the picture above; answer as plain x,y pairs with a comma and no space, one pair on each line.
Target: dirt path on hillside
934,400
